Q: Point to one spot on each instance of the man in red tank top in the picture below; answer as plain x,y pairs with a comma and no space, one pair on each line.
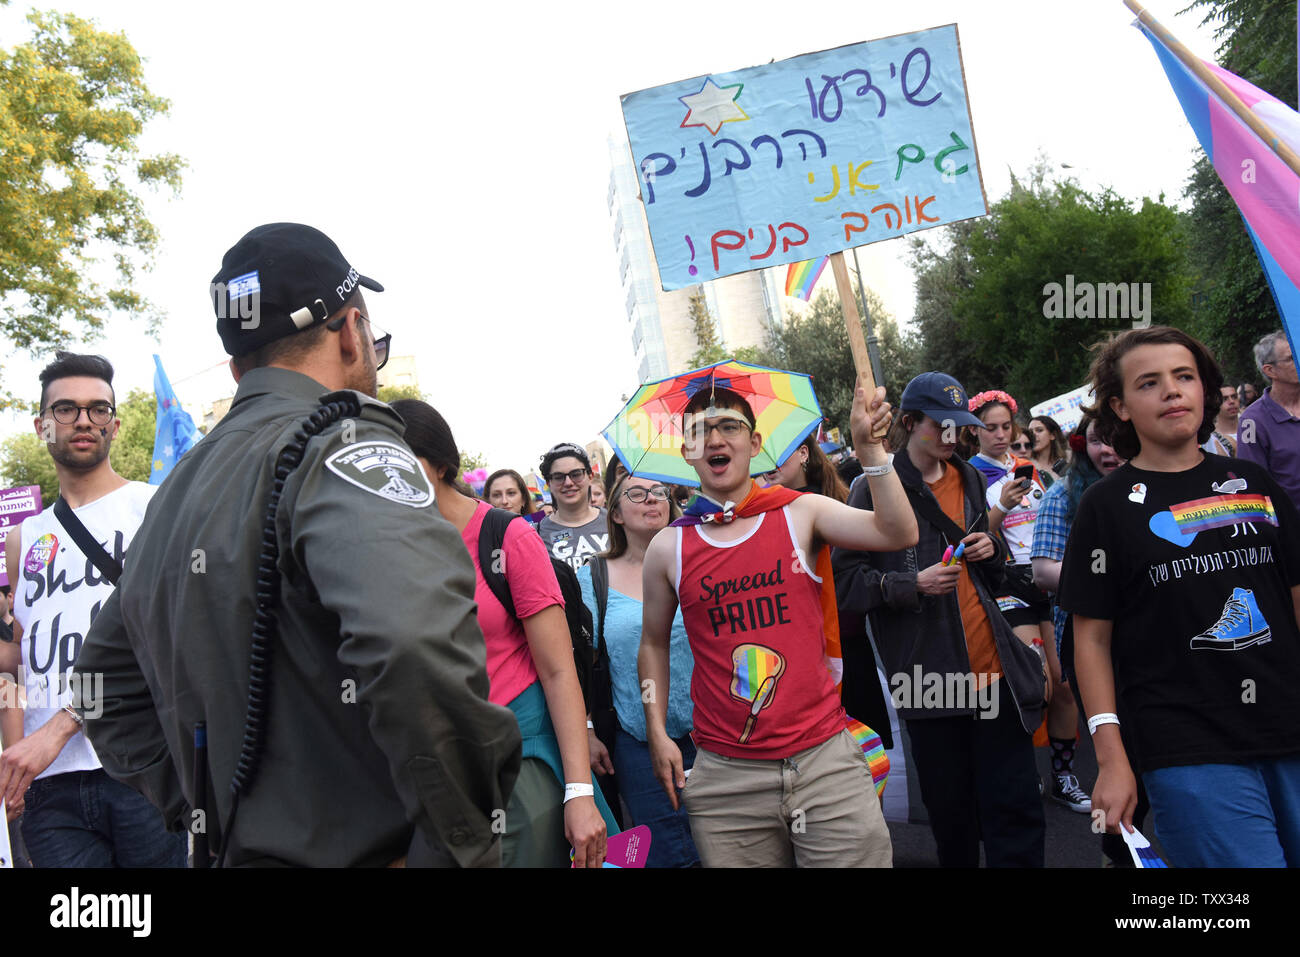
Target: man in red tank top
778,780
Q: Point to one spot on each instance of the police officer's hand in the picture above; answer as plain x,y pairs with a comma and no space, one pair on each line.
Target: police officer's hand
585,829
601,763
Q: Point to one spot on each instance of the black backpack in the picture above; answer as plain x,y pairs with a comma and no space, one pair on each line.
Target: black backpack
491,541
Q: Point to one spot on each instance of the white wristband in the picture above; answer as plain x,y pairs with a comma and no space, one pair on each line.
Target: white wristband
572,791
875,471
1097,720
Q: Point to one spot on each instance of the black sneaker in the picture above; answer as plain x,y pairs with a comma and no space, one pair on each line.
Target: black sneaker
1066,790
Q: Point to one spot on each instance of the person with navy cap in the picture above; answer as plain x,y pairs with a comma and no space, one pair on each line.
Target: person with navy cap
293,588
970,691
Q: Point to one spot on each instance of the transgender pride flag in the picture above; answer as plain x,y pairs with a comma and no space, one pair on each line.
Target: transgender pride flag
1265,188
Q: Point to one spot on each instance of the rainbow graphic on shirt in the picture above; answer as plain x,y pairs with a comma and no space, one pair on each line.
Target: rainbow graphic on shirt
751,666
1220,511
41,553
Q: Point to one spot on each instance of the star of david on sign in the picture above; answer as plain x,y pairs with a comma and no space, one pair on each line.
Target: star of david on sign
712,106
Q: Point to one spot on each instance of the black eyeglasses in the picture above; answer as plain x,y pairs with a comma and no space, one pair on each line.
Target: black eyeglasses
67,413
382,343
558,478
730,428
638,495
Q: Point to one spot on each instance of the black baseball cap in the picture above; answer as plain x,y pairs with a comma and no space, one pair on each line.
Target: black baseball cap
939,396
279,279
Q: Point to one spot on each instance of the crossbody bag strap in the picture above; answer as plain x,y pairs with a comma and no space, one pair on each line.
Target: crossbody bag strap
108,567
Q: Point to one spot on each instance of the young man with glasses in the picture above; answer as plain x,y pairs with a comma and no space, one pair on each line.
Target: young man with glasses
577,529
381,744
76,815
778,778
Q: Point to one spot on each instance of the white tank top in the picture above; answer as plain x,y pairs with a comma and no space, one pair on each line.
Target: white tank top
57,593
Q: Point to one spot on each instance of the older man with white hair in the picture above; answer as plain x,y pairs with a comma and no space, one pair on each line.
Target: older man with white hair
1268,432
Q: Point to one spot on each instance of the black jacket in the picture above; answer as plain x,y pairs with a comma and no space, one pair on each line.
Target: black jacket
912,629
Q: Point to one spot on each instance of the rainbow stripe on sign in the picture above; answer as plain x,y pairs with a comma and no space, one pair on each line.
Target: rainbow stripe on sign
1219,511
800,278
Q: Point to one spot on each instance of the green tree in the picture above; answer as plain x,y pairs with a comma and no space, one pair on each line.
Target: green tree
982,304
1234,305
132,453
469,461
709,349
391,393
73,103
817,344
24,459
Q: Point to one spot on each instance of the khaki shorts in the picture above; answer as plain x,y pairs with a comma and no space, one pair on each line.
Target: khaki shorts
815,809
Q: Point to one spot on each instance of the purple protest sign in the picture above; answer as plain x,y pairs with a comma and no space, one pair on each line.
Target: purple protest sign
15,505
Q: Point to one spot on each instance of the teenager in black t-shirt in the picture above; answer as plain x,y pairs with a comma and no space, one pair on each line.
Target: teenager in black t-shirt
1183,575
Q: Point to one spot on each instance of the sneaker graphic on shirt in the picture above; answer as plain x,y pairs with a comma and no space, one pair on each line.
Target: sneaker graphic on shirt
1240,626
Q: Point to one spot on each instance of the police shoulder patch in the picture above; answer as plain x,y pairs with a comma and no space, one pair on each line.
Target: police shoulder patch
383,469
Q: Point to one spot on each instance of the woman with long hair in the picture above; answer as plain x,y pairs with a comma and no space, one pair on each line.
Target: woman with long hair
1182,573
807,469
530,670
1047,448
506,488
934,613
639,508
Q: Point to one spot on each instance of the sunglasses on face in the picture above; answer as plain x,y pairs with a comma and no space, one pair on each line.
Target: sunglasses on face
1021,446
67,413
381,343
638,495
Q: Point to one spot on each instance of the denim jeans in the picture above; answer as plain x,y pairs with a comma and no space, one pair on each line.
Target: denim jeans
86,819
670,831
1228,815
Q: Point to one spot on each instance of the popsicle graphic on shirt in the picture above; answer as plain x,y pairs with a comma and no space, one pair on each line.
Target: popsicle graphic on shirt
754,673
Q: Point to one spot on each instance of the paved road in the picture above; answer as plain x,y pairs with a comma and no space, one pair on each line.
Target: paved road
1070,841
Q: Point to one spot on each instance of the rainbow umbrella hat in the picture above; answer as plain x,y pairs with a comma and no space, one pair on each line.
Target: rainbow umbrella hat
647,434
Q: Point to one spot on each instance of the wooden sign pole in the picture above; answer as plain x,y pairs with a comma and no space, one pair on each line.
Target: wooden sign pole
853,323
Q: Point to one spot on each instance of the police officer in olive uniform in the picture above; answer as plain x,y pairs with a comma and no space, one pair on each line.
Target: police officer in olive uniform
377,732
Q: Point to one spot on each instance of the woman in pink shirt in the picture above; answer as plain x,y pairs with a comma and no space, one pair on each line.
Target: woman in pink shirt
530,670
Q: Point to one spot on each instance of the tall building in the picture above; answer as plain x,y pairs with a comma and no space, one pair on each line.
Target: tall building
744,307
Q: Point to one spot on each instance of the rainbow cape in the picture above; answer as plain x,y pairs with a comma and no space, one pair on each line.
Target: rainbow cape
1263,186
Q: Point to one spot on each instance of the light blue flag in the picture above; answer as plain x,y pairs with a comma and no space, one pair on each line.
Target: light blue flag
176,431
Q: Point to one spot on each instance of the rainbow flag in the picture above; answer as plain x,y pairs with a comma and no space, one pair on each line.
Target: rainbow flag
1220,511
1261,183
800,278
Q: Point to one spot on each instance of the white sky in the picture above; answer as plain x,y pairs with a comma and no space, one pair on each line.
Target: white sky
457,154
